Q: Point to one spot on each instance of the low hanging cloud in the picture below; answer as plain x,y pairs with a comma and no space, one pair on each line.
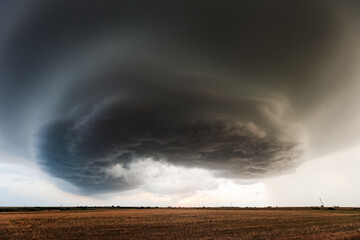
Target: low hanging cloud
238,88
118,132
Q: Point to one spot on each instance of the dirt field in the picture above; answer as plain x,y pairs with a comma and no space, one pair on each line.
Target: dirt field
181,224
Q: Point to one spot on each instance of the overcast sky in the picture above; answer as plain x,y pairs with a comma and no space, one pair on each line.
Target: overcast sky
243,103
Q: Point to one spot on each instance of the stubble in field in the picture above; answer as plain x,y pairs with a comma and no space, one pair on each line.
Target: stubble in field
181,224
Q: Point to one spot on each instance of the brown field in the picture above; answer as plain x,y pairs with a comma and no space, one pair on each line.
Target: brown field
182,224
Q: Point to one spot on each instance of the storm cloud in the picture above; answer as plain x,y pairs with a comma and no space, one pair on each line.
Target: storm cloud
212,133
244,89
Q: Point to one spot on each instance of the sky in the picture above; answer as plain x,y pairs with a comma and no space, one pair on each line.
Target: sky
179,103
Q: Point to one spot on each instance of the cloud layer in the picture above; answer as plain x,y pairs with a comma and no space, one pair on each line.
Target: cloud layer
120,131
240,89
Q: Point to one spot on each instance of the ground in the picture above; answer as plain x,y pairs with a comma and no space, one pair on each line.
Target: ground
181,223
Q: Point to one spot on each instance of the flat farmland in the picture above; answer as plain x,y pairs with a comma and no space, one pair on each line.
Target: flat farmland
175,223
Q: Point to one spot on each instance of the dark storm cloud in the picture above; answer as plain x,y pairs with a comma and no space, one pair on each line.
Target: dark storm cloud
219,85
176,127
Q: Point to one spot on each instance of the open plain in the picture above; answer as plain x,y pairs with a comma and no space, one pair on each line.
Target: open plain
181,223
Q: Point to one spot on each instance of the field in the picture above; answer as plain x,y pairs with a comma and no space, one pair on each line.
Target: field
174,223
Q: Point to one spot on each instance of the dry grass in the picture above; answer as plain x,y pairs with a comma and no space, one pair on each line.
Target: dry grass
181,224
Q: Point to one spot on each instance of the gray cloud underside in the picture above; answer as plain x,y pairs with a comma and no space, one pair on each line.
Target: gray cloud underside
236,87
82,148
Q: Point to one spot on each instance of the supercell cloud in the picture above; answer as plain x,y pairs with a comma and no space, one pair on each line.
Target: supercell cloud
244,89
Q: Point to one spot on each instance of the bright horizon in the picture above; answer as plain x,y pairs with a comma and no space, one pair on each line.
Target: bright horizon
283,191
